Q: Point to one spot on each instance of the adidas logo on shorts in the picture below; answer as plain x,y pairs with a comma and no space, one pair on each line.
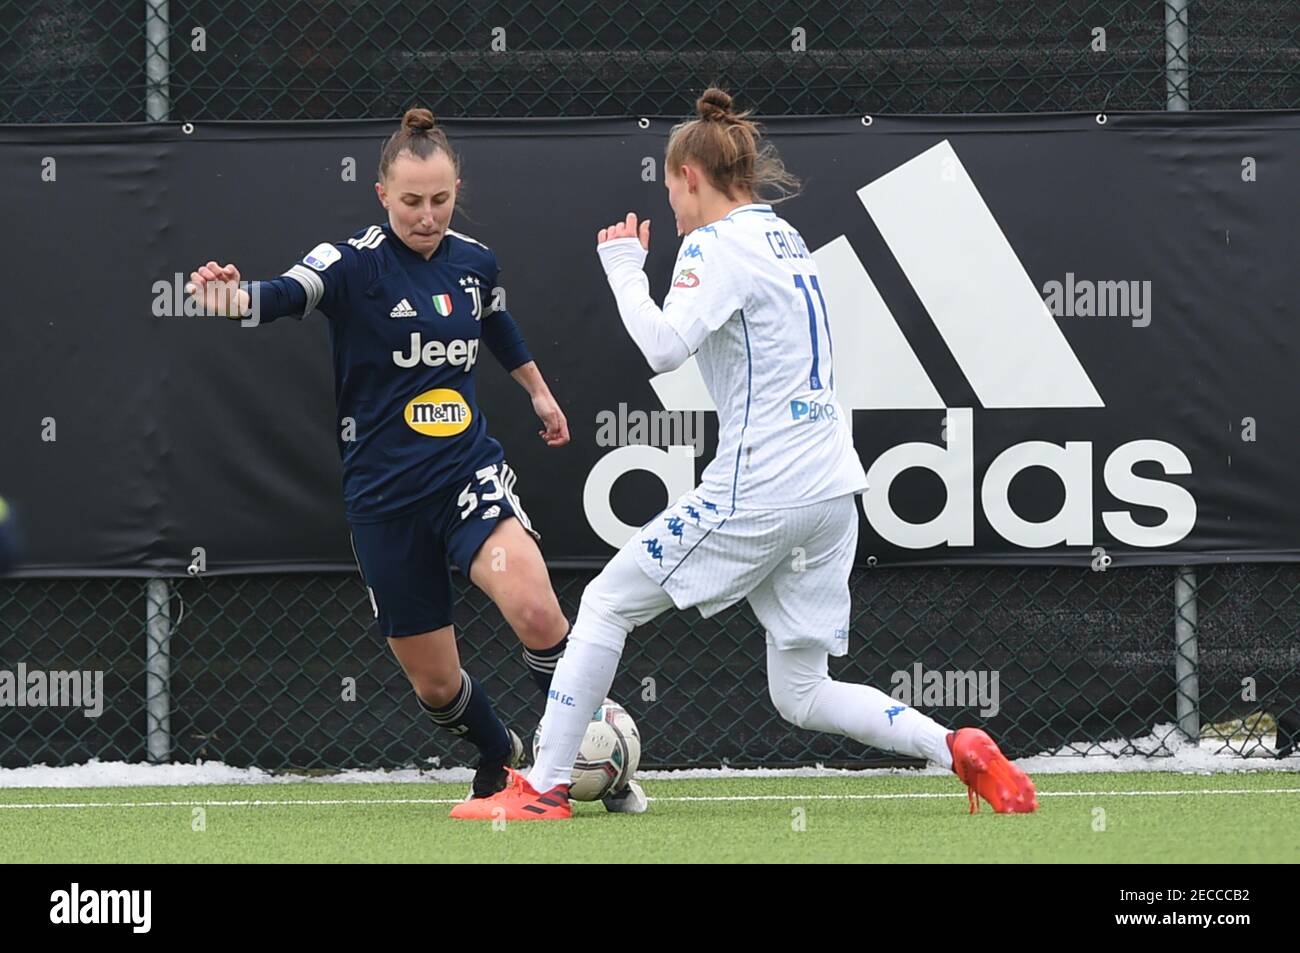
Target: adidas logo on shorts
402,309
491,513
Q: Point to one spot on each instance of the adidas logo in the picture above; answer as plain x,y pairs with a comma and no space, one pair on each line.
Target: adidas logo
966,274
402,309
1001,335
492,512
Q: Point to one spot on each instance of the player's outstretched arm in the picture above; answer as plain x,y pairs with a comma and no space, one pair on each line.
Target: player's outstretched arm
622,248
220,292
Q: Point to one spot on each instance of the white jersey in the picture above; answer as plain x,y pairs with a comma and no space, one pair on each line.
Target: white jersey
747,299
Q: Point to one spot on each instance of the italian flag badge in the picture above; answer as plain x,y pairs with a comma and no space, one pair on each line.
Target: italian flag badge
442,304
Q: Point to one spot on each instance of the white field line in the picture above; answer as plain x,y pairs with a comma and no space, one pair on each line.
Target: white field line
334,802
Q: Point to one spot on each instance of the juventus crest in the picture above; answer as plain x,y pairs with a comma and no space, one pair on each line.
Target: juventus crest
471,286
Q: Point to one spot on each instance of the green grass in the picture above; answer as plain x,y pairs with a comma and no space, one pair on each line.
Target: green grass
839,824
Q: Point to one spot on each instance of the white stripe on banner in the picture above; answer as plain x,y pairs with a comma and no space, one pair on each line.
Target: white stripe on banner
886,373
973,285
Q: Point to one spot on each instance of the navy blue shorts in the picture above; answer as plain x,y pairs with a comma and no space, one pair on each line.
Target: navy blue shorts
406,562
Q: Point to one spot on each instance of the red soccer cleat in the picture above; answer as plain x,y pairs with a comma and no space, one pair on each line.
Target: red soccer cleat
986,772
517,802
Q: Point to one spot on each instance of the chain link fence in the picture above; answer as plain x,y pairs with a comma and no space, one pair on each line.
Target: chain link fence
286,671
85,61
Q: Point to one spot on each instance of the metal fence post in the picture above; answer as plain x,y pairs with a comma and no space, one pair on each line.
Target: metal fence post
1187,681
157,66
1187,685
158,665
157,659
1176,56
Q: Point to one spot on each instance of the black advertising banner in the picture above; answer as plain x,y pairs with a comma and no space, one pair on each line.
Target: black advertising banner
1061,340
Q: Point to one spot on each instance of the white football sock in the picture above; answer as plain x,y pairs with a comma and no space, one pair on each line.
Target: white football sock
806,695
582,680
619,599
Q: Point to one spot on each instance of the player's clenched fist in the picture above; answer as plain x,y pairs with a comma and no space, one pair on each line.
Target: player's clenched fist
217,286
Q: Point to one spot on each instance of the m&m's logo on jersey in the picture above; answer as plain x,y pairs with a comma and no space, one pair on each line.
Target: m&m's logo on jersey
442,304
440,412
686,278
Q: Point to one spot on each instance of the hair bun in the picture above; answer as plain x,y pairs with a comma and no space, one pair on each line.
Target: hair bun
417,119
714,105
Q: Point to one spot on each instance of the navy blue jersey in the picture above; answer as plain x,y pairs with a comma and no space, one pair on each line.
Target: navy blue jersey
405,334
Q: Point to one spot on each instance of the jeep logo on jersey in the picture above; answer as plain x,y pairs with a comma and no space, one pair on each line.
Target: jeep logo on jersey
457,352
967,276
440,412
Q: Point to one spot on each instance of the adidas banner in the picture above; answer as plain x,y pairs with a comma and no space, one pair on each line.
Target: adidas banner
1061,339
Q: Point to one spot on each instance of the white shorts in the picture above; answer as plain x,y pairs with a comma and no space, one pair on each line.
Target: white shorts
792,564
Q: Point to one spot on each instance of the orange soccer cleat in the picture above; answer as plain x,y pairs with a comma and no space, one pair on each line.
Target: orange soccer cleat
987,773
517,802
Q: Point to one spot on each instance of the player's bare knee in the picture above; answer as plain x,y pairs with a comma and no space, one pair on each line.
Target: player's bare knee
538,621
436,690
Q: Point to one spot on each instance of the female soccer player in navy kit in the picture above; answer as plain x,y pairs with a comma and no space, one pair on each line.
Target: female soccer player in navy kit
425,486
747,300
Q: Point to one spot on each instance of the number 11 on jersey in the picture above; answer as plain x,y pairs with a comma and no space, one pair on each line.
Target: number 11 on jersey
814,378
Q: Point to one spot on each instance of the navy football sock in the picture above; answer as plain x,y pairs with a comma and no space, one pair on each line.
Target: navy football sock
541,663
470,715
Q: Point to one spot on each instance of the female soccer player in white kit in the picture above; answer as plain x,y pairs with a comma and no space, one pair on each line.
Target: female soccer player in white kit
774,518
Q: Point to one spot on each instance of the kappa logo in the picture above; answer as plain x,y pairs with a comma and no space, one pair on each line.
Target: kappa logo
994,322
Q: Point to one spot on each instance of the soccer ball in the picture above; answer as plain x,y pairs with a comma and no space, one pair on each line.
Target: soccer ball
609,755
